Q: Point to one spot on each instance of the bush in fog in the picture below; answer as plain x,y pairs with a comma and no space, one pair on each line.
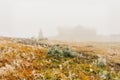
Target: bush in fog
59,52
69,53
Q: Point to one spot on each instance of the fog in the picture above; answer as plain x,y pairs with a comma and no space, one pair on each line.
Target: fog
82,34
25,18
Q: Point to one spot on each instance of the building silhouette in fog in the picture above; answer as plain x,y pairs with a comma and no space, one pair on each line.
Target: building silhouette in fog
83,34
76,34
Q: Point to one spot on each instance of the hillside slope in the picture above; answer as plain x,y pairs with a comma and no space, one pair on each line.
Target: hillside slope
20,61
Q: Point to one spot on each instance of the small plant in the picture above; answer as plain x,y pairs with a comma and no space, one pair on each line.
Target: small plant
69,53
59,52
55,51
101,62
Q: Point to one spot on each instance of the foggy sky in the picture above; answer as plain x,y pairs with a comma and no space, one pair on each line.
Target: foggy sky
24,18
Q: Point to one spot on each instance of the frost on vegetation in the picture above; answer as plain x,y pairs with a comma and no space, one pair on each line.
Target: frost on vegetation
59,52
16,63
101,62
60,63
7,68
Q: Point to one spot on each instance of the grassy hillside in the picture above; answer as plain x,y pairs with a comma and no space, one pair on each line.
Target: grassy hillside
43,61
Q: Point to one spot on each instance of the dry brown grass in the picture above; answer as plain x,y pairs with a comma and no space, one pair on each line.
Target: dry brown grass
27,62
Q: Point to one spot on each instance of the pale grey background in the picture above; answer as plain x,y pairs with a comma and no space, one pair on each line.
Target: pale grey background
24,18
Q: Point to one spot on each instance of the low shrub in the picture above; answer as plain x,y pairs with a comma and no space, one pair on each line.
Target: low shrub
59,52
